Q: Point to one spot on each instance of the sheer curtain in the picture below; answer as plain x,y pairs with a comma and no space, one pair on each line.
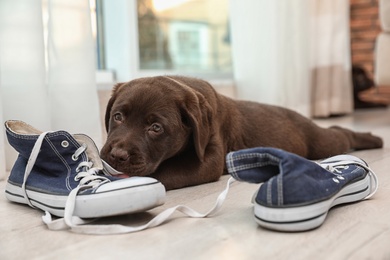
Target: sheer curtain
330,58
293,53
47,69
270,52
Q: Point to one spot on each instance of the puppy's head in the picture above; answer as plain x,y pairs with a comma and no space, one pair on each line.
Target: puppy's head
150,120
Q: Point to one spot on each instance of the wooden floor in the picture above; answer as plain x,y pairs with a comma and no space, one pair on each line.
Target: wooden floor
355,231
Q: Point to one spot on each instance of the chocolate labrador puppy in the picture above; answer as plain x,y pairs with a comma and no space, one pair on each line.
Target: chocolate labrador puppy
179,129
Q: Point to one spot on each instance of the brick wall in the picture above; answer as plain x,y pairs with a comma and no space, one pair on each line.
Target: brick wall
364,29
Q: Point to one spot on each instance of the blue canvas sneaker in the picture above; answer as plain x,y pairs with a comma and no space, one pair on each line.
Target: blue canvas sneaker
297,193
63,174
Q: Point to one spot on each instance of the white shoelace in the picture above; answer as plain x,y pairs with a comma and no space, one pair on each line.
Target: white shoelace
336,166
77,224
88,179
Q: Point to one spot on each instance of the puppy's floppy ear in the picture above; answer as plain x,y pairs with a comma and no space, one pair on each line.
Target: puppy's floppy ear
110,104
199,114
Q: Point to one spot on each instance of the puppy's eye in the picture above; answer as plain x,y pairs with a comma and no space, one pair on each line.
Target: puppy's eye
156,128
118,117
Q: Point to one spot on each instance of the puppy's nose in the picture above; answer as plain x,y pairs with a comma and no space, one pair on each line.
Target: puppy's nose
118,154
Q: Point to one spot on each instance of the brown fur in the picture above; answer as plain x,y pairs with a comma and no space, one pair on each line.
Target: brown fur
178,130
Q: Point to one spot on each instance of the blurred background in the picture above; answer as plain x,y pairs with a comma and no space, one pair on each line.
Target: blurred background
60,58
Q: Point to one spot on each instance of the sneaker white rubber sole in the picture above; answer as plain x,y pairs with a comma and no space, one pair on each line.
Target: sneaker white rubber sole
130,195
308,217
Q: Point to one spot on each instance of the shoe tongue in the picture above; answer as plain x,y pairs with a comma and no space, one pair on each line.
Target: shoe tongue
109,170
92,151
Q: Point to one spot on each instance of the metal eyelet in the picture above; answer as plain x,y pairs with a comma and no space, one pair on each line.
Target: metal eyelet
74,158
64,143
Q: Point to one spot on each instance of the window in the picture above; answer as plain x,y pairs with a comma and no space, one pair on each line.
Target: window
185,35
141,37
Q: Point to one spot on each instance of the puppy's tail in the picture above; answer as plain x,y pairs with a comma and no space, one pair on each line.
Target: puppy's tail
326,142
360,141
